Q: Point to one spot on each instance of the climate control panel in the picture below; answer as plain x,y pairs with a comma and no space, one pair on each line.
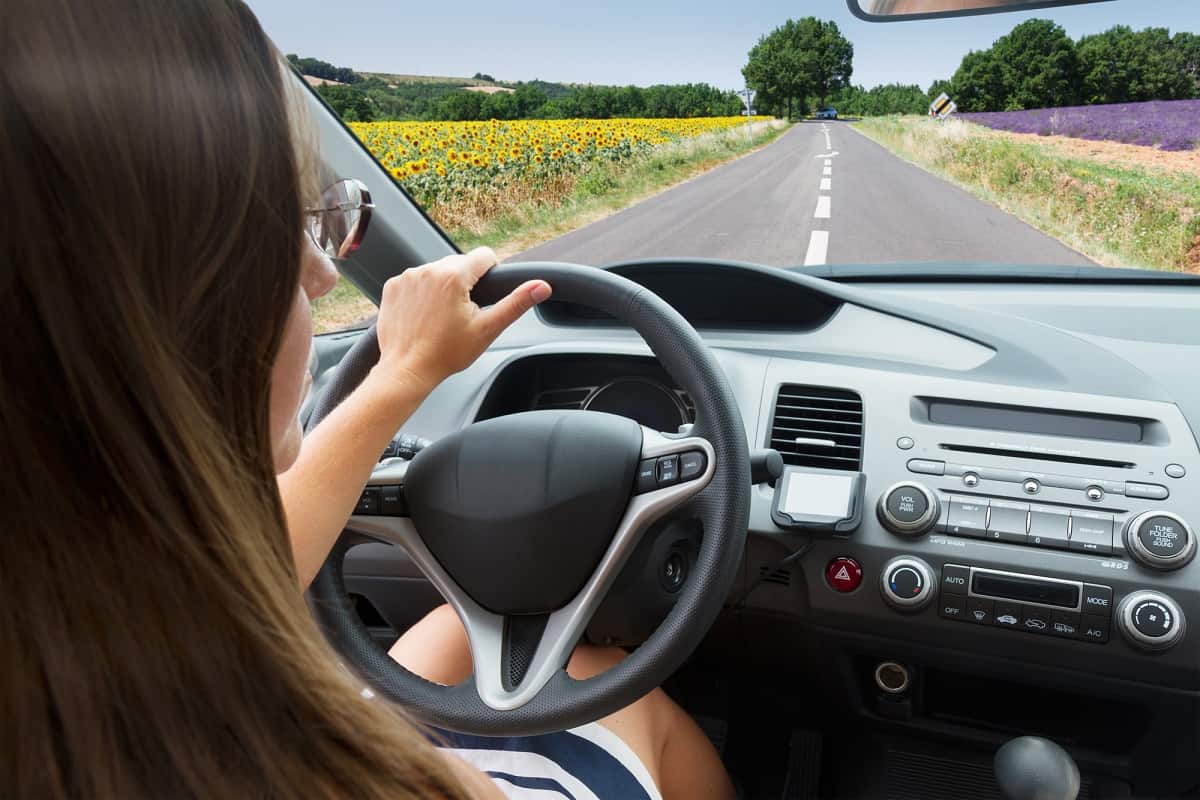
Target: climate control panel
1026,603
1036,604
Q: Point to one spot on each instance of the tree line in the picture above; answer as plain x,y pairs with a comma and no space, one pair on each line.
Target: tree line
807,64
323,69
1037,65
368,98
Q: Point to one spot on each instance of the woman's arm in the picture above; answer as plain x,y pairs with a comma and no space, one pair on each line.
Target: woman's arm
428,329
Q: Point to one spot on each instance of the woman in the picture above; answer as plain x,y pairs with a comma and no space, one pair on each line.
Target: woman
154,290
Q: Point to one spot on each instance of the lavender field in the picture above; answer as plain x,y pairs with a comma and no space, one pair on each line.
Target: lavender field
1168,125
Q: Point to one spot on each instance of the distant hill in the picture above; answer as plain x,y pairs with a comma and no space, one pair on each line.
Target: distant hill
391,78
366,96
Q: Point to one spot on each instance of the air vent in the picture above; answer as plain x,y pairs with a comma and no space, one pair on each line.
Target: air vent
572,398
816,426
781,577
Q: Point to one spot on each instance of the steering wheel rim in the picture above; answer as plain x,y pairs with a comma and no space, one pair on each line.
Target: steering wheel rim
720,502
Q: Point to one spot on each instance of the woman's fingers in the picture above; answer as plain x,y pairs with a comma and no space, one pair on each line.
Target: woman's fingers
428,327
477,263
509,309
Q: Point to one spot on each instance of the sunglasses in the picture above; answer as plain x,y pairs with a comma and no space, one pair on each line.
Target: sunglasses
339,225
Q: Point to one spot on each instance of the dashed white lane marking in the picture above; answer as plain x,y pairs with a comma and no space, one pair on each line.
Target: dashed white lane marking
818,248
827,171
826,184
823,207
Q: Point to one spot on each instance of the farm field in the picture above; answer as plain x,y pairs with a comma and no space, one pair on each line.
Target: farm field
1168,125
512,185
468,174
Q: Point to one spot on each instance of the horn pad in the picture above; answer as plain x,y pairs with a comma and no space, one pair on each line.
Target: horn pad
519,509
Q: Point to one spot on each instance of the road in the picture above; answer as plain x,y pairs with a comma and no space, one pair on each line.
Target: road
821,193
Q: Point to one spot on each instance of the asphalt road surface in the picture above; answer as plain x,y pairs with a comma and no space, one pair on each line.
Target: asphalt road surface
820,194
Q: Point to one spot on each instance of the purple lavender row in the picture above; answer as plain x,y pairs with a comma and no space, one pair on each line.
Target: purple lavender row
1166,124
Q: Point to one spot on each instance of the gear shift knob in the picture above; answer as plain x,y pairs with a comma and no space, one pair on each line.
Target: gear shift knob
1032,768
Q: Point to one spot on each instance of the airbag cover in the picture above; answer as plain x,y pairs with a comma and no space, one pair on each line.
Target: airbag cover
519,509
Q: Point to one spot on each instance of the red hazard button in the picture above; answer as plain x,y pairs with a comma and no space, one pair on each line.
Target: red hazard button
844,574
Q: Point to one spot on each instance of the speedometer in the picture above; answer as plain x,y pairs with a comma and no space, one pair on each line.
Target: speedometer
646,401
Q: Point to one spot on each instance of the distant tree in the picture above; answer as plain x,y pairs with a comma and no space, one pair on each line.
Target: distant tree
978,84
500,105
1034,65
529,99
350,104
323,69
479,76
460,105
1040,66
801,59
1186,47
893,98
937,88
1121,65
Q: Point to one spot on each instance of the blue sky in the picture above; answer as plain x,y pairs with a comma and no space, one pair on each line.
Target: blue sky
647,41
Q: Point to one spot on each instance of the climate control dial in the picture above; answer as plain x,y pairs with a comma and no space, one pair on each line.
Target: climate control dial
907,583
1160,539
908,509
1151,621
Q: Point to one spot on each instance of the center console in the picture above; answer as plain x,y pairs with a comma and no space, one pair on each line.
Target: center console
1038,527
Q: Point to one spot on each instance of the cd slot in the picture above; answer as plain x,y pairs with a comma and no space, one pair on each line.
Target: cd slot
1037,455
1026,589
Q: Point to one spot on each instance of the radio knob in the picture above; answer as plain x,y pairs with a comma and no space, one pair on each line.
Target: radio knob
908,509
1160,539
906,583
1151,621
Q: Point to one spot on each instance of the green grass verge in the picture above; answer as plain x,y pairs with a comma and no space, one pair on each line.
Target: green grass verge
612,187
598,193
1116,215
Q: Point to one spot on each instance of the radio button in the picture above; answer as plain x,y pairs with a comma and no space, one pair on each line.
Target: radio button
924,466
1146,491
1095,629
1092,533
1066,626
967,518
980,611
1008,522
1049,528
1097,599
955,579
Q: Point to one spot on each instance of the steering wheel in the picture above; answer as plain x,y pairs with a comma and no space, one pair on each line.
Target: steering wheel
523,522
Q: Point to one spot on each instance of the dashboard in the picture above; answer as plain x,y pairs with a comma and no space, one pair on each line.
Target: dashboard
1029,484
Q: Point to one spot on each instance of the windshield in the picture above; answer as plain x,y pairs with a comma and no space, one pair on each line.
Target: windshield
794,135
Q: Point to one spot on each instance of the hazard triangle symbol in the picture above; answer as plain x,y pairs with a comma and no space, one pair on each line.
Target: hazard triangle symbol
842,574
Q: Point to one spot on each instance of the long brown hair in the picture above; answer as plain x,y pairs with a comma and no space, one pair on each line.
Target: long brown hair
153,642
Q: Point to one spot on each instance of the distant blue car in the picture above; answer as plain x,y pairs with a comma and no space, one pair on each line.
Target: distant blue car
827,113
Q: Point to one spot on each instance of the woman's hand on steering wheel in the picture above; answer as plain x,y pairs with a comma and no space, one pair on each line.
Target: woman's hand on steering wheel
429,327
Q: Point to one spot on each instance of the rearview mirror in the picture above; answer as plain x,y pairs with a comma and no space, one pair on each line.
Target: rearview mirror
895,10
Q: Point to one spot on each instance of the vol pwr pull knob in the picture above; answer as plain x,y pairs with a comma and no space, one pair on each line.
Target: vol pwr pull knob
908,509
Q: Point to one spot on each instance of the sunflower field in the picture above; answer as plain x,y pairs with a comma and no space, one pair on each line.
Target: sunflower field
446,164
